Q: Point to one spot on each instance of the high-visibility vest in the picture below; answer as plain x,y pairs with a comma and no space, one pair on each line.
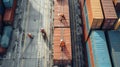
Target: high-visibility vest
62,44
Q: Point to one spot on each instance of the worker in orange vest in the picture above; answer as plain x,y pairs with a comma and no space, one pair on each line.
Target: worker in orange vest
62,44
62,17
30,35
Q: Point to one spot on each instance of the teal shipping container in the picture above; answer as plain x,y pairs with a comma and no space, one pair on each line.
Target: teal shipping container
6,37
114,47
99,51
8,3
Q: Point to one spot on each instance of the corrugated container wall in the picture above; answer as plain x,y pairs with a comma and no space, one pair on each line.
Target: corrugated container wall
117,26
97,19
2,9
58,55
114,45
9,14
109,14
97,50
6,36
8,3
85,21
117,5
1,24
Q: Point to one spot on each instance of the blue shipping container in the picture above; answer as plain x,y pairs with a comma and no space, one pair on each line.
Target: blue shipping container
99,49
6,36
1,9
8,3
114,43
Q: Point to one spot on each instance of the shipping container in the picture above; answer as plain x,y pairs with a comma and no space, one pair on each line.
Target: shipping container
114,47
117,4
2,50
2,9
85,22
95,15
6,36
61,7
82,3
1,25
62,57
9,14
117,26
97,50
110,17
97,19
8,3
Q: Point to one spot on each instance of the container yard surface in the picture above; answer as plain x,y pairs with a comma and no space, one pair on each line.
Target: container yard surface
99,52
30,17
114,44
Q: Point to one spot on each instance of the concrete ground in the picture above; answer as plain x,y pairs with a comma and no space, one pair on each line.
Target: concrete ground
23,51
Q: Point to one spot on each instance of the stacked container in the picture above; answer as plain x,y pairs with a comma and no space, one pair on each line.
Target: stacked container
97,50
1,8
110,17
117,26
96,16
6,36
61,31
8,3
114,47
93,15
1,16
9,11
8,18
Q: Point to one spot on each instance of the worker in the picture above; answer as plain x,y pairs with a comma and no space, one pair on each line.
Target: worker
62,44
30,35
43,33
62,17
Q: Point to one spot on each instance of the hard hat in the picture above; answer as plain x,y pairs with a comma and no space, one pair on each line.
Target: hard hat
61,40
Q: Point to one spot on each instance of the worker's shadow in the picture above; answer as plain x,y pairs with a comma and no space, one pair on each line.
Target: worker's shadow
64,22
66,52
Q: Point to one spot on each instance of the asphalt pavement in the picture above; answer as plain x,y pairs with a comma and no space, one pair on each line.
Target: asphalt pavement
34,52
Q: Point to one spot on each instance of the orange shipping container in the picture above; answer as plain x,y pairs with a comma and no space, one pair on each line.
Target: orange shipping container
58,55
95,14
61,7
109,14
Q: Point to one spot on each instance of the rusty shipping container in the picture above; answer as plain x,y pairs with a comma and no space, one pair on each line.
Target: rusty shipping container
61,31
2,50
65,56
85,18
109,14
9,14
117,4
61,7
